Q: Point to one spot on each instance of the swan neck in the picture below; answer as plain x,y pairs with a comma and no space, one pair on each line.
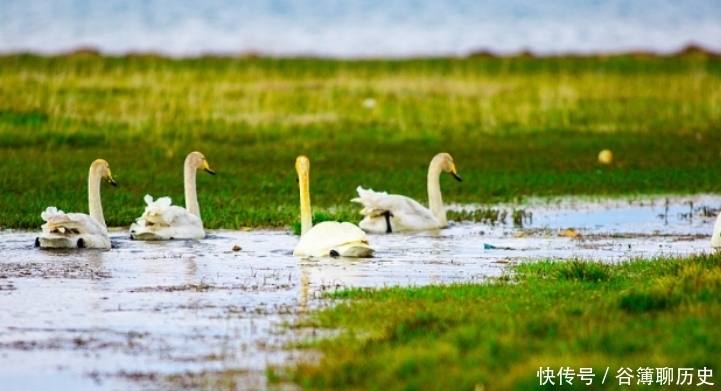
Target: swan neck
306,219
191,195
96,206
435,200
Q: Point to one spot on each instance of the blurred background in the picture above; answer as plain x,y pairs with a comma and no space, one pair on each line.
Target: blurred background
358,28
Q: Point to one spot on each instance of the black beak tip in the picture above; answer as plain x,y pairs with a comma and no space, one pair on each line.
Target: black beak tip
112,182
458,178
209,171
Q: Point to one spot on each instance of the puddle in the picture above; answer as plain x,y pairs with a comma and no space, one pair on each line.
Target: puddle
122,319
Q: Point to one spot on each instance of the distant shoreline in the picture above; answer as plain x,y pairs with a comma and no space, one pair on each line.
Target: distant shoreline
688,50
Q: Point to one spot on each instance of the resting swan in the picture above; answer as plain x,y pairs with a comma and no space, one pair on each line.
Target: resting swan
329,238
78,230
386,213
716,238
163,221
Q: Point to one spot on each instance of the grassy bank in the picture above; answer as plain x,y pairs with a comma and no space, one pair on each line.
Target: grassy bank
496,336
516,127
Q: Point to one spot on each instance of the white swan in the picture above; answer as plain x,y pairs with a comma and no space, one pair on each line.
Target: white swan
386,213
716,237
78,230
163,221
329,238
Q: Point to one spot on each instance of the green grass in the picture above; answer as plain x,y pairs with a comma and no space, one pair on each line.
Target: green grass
495,336
516,127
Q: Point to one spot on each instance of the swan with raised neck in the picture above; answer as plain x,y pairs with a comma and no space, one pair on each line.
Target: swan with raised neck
329,238
163,221
387,213
78,230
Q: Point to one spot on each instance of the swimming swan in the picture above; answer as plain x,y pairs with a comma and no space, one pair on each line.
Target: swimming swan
386,213
163,221
78,230
329,238
716,238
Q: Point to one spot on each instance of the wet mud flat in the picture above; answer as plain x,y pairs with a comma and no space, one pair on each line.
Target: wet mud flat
188,314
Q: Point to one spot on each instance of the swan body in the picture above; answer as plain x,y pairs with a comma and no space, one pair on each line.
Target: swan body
331,238
716,237
387,213
78,230
163,221
328,238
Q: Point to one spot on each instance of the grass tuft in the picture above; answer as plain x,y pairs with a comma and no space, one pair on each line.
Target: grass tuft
584,271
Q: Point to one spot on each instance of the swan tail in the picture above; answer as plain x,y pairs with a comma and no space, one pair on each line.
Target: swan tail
372,201
146,235
355,250
56,241
358,250
59,241
147,228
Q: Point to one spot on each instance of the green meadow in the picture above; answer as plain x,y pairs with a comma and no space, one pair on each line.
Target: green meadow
659,313
516,127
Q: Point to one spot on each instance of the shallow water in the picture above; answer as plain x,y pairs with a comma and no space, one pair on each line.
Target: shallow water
120,319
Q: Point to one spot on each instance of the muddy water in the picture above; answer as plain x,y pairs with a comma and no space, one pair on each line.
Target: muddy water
135,316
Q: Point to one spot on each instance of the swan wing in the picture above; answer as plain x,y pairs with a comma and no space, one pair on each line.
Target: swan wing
57,220
163,221
345,239
63,230
406,214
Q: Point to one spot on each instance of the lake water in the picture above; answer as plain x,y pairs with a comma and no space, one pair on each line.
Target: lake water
145,312
358,28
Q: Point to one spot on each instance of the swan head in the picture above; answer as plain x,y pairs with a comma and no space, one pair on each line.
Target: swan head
445,161
197,161
302,165
102,168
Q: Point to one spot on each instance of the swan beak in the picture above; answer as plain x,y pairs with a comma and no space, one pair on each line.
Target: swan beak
206,168
455,174
110,179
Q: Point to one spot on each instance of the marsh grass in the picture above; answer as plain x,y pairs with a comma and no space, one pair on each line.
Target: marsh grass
495,336
516,127
492,216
